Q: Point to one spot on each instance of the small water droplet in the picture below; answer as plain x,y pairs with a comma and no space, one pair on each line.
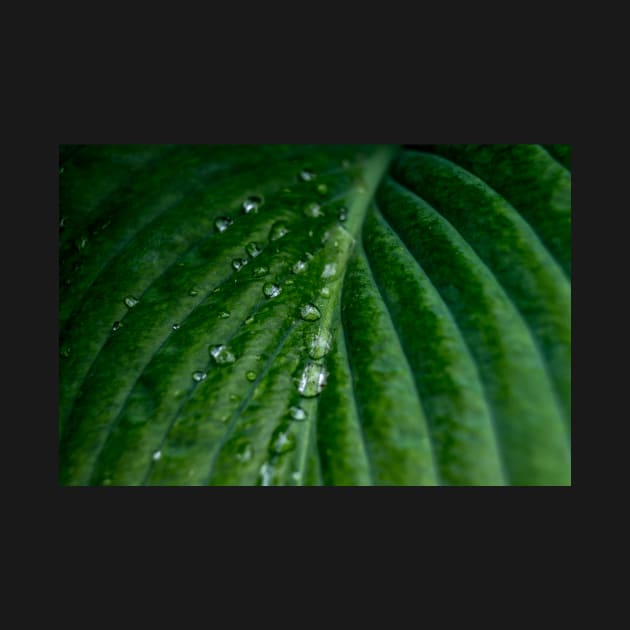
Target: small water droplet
266,472
221,354
250,319
278,230
250,376
322,189
223,223
194,291
298,414
299,267
239,263
313,210
224,314
281,440
199,375
296,476
260,271
306,175
318,342
343,214
271,290
81,242
244,452
253,250
65,351
62,222
156,455
325,291
117,326
176,326
310,312
330,269
216,290
251,204
312,380
130,301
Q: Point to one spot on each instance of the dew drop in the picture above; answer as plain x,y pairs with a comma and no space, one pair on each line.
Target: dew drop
81,243
325,291
199,376
330,269
296,476
278,230
221,354
117,326
313,210
299,267
194,291
306,175
130,301
244,452
224,314
176,326
312,380
297,413
260,271
249,320
322,189
239,263
281,441
310,312
253,250
156,455
65,351
266,472
251,204
250,376
223,223
318,342
271,290
343,214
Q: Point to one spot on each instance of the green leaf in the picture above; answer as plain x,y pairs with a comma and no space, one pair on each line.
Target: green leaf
315,315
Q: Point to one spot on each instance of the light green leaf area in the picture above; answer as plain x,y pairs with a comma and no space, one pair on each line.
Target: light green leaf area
315,315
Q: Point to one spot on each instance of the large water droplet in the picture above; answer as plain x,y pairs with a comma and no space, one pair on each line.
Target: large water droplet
199,375
253,250
310,312
239,263
250,376
221,354
306,175
278,230
312,380
224,314
130,301
117,326
297,413
299,267
223,223
313,210
318,342
260,271
281,441
271,290
251,204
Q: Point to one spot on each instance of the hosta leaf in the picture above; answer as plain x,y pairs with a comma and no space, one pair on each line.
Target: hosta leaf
314,315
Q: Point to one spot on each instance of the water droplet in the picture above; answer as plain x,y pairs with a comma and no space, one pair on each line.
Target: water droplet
65,351
244,452
63,222
224,314
278,230
271,290
310,312
296,476
253,250
281,441
221,354
343,214
176,326
156,455
298,414
322,189
81,243
260,271
194,291
250,319
313,209
299,267
330,269
239,263
318,342
199,375
306,175
251,204
250,376
325,291
266,472
216,290
223,223
312,380
117,326
130,301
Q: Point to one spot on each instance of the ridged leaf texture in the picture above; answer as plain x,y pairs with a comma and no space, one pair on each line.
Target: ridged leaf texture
315,315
